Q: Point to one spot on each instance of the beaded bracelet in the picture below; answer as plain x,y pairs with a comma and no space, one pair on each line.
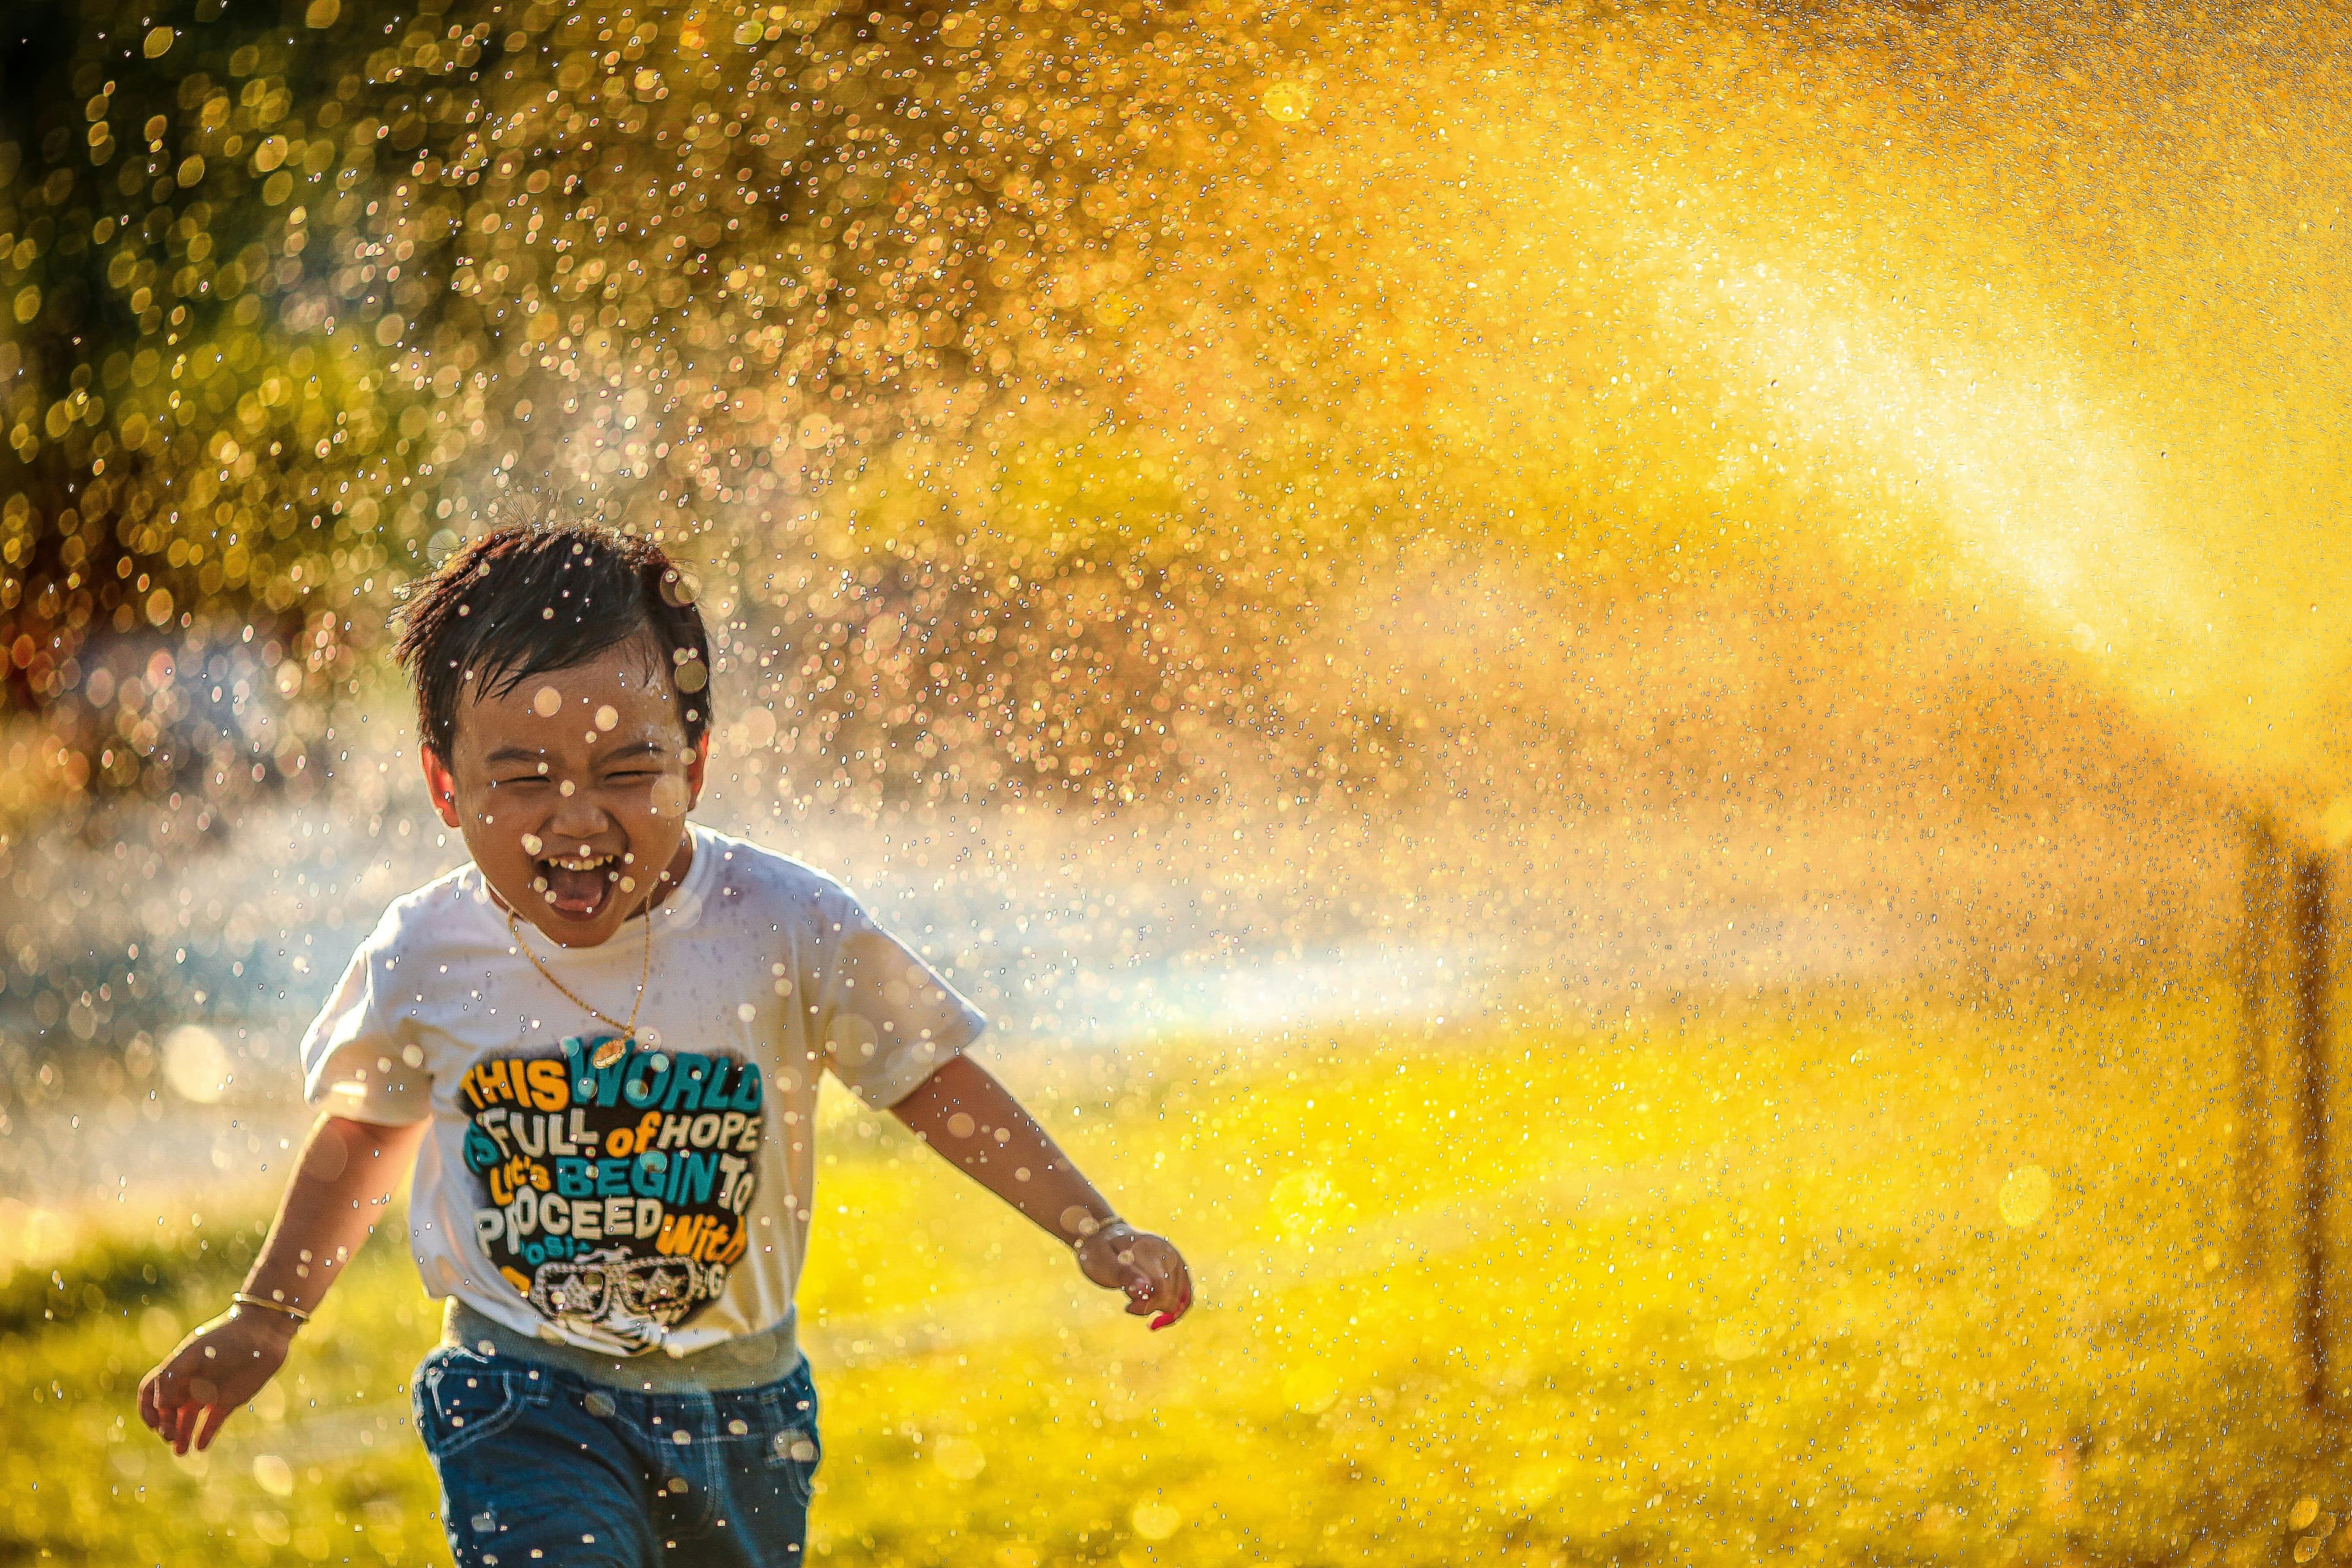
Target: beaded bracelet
245,1299
1089,1235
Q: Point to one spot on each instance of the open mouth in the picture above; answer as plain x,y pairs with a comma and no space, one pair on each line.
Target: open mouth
577,886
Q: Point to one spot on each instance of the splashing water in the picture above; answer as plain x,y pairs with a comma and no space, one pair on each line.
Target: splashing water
1942,294
1075,405
1445,542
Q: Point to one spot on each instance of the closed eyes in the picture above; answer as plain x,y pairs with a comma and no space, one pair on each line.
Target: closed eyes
633,775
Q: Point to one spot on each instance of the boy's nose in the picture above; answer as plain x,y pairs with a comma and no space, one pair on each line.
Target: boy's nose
576,822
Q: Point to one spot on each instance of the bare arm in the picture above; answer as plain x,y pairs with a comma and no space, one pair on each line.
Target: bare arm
974,1121
348,1172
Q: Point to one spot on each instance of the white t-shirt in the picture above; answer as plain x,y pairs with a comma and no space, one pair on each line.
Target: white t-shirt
613,1196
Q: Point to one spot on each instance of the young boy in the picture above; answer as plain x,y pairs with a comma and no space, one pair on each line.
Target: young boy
600,1044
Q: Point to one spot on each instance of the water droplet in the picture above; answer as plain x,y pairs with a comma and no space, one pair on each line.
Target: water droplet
958,1459
2024,1194
1288,101
273,1475
1155,1520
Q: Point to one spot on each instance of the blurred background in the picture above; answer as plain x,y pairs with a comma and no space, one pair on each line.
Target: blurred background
1586,685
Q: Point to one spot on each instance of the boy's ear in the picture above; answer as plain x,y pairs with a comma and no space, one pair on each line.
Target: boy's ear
695,767
441,783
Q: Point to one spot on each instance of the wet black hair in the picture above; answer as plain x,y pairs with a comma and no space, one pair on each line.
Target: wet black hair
529,597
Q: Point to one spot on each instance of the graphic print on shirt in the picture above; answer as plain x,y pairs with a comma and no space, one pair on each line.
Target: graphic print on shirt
613,1196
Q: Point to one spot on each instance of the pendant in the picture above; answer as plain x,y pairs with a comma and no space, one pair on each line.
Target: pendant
607,1054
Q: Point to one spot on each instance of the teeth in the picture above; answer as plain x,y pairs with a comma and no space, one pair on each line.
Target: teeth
571,863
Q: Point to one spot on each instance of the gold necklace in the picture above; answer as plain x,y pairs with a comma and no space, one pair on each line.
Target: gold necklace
610,1051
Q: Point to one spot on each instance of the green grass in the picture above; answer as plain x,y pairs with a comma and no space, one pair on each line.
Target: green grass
1731,1286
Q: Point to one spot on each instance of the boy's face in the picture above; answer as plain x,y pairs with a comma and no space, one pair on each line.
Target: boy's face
572,789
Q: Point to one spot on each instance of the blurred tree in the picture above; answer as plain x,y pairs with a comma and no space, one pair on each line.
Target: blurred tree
187,459
294,289
1062,338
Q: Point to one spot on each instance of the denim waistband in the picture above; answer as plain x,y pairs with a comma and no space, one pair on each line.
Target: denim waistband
748,1360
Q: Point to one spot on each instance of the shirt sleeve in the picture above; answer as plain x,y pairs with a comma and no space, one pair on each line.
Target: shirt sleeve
353,1062
886,1019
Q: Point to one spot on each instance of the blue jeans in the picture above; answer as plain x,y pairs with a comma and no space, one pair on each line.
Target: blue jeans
540,1465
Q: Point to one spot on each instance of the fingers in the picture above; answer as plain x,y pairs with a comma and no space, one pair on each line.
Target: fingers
1151,1274
163,1405
1181,1304
209,1419
184,1405
1181,1284
147,1411
1160,1286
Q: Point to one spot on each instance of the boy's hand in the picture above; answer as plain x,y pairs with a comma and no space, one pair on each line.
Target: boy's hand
964,1113
1147,1268
219,1367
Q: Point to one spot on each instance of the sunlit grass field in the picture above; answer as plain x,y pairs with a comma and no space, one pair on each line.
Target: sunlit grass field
1705,1288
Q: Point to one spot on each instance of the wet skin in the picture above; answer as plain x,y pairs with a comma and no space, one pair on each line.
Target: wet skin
571,787
591,766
